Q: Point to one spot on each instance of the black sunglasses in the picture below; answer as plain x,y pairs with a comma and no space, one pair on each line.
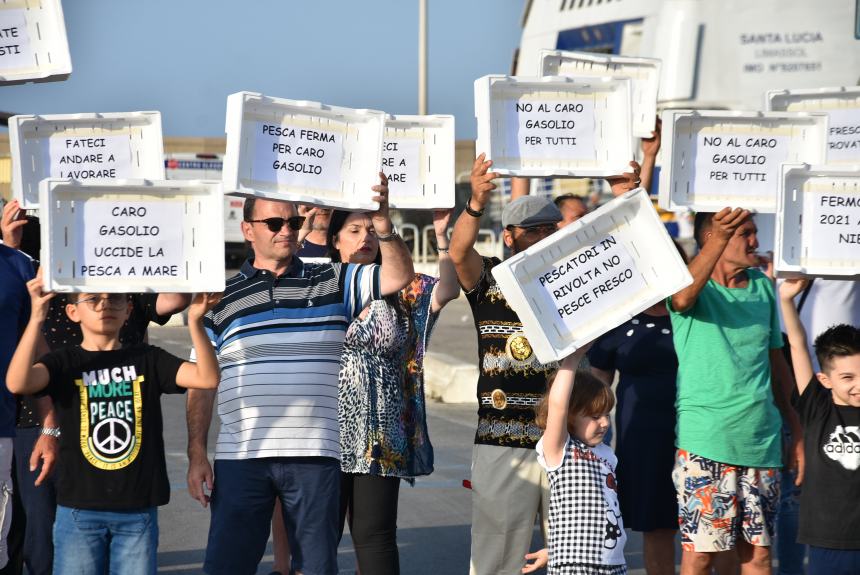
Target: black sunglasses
275,224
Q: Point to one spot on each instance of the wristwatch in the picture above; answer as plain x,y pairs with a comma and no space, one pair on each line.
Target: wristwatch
52,431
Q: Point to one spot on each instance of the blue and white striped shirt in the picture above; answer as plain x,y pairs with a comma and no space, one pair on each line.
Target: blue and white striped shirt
278,341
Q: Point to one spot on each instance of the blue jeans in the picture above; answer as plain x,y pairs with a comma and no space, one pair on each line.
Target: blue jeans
789,552
833,561
97,542
39,504
245,492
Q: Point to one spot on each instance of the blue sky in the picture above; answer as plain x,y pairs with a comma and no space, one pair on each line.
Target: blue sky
183,57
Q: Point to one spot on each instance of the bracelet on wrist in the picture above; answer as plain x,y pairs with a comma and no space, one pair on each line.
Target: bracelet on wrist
52,431
388,237
471,212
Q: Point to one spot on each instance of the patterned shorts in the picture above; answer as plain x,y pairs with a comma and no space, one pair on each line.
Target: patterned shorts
717,502
581,569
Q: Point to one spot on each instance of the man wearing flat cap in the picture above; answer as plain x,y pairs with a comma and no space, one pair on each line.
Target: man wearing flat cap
509,487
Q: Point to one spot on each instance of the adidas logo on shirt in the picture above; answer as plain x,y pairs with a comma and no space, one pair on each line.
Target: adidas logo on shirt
844,446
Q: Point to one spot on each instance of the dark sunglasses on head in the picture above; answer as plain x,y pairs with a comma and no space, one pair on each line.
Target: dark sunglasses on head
275,224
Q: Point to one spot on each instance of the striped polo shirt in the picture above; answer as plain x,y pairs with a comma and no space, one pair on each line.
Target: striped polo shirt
278,341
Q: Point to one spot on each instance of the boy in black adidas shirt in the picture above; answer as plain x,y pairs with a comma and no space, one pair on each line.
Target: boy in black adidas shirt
112,472
829,407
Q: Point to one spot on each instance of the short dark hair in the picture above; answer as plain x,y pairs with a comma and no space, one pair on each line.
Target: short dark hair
701,226
590,397
837,341
248,209
559,200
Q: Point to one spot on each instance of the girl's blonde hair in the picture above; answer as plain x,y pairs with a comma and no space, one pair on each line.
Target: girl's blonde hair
590,397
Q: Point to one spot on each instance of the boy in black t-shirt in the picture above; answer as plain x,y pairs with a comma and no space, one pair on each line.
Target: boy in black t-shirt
112,472
829,406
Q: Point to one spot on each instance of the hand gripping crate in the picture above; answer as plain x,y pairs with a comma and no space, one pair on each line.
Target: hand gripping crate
418,158
126,145
33,43
592,275
644,74
818,223
554,126
132,236
842,106
718,158
302,151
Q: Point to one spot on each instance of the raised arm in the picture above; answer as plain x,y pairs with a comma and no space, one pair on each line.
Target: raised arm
204,373
447,289
519,187
650,149
555,435
467,261
800,360
397,270
723,227
171,303
24,376
627,181
12,224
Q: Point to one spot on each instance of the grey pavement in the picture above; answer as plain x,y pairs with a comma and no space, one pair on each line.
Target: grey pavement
434,515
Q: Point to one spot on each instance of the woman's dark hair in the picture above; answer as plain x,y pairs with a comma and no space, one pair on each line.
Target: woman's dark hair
335,224
590,397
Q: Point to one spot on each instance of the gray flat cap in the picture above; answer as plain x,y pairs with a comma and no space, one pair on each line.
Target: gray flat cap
528,211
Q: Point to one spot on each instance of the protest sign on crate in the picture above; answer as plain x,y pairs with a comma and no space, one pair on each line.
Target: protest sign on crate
418,158
302,151
818,223
715,159
644,74
842,106
132,236
592,275
83,147
33,43
554,126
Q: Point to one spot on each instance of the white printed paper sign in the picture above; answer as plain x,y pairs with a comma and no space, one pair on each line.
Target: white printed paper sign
128,239
401,160
843,140
296,156
738,164
834,226
89,157
558,129
577,285
15,49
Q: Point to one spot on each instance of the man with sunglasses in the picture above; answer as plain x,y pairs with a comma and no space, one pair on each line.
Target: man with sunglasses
278,334
509,488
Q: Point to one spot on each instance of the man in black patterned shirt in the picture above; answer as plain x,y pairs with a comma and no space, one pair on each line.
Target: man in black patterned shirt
509,488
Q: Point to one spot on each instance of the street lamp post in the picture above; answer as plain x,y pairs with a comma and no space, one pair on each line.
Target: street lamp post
422,57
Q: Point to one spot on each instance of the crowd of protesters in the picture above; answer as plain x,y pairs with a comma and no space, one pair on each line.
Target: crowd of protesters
314,357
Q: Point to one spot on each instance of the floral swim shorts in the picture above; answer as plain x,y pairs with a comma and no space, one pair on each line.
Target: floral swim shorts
718,502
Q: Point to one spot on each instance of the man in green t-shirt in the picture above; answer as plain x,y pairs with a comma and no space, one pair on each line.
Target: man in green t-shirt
733,384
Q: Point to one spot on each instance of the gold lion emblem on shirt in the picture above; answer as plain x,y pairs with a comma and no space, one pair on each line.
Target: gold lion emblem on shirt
518,347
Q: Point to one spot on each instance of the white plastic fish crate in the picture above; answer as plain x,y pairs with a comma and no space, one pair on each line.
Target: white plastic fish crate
132,236
302,151
587,120
126,145
718,158
818,223
418,158
644,74
33,43
842,106
592,275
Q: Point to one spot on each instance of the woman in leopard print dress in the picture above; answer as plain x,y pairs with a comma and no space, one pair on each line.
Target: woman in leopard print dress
381,411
